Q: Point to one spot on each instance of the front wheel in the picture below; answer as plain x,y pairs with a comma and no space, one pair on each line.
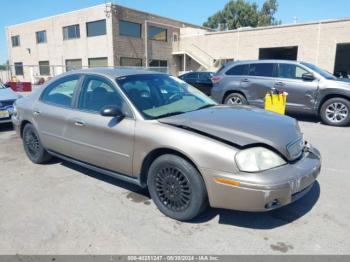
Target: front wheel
33,147
336,112
176,187
235,99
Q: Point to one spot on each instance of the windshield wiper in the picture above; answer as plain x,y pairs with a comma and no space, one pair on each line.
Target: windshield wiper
170,114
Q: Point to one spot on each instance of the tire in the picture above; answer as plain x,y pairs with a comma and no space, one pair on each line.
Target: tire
33,147
173,178
336,112
235,99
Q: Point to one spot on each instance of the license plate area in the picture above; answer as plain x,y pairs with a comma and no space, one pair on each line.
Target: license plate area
4,114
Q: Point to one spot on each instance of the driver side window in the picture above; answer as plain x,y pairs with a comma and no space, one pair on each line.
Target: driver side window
97,93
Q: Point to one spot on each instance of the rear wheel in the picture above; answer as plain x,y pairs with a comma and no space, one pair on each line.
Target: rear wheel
235,99
33,147
176,187
336,112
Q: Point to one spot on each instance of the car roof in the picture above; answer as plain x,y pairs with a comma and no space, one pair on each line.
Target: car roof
262,61
112,72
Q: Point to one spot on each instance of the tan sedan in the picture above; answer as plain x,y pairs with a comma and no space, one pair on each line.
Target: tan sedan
156,131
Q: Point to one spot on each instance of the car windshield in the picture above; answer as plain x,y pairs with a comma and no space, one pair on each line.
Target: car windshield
158,95
320,71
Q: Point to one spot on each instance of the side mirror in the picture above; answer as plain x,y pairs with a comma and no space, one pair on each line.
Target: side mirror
111,111
308,77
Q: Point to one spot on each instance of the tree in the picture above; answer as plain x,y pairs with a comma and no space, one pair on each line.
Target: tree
239,13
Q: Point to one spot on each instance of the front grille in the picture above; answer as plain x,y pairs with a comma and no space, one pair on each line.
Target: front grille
6,103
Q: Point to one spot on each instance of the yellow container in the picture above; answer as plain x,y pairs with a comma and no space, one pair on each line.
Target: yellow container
276,102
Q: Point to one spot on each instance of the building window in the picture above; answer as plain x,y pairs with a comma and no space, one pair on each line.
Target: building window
157,33
96,28
73,64
15,40
98,62
44,68
41,37
129,29
71,32
158,63
19,69
128,61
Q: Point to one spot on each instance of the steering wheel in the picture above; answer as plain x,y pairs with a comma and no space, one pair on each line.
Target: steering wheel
173,98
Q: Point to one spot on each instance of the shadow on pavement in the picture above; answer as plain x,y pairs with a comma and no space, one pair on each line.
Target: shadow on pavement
6,127
265,220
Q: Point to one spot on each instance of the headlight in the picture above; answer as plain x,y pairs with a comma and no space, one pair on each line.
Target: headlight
258,159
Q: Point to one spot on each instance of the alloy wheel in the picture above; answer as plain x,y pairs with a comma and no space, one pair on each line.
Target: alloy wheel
234,100
173,188
337,112
32,143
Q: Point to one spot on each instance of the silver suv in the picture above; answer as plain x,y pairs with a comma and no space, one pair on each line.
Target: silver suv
310,89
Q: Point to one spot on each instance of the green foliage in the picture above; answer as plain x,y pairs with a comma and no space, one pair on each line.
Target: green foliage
239,13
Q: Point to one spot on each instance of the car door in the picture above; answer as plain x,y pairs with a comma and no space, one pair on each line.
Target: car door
106,142
204,82
301,93
258,83
192,79
51,111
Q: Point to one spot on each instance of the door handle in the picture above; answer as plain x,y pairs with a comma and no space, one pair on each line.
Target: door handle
79,123
36,112
245,80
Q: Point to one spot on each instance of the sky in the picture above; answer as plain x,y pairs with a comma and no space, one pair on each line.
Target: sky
192,11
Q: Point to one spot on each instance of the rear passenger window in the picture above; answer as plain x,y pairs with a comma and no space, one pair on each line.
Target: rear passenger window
238,70
61,93
262,69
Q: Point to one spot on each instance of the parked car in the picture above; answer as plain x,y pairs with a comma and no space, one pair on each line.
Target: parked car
7,98
156,131
200,80
310,89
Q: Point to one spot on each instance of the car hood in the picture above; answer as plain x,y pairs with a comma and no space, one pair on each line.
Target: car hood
7,94
243,126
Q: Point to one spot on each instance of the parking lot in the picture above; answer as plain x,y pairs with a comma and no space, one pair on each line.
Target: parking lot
65,209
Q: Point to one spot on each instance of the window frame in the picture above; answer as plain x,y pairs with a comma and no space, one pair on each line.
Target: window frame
48,66
18,40
130,22
37,38
133,58
16,65
77,59
58,82
149,36
97,21
80,89
76,26
96,58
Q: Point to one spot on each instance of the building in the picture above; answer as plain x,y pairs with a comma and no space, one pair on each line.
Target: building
112,35
103,35
325,43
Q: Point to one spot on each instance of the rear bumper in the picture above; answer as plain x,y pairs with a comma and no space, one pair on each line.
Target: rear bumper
272,189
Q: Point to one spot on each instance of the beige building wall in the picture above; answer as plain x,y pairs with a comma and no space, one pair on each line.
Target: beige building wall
57,50
316,42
